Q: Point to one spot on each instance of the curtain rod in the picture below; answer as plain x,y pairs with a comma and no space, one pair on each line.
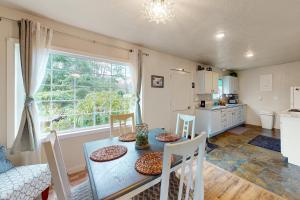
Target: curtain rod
81,38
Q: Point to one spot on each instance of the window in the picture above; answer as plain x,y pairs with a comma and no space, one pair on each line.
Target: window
15,90
220,90
83,91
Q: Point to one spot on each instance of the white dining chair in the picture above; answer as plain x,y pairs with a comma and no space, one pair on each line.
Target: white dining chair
122,119
59,173
186,119
190,184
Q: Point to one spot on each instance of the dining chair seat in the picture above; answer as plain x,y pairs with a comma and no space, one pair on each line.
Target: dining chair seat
153,193
82,191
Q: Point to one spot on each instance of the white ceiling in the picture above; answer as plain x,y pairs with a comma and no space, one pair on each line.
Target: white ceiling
270,28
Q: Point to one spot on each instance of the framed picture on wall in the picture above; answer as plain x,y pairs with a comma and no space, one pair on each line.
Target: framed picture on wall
157,81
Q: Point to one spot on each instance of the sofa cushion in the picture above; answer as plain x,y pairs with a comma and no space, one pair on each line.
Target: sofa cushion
4,163
24,182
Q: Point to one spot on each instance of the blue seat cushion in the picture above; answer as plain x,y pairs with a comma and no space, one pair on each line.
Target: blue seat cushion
5,164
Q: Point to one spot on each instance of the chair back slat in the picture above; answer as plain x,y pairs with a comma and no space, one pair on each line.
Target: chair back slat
187,119
57,167
187,150
122,119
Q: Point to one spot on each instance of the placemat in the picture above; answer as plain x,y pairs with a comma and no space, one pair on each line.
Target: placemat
167,137
150,163
108,153
128,137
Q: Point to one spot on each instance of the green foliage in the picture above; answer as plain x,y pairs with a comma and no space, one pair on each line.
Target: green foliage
84,91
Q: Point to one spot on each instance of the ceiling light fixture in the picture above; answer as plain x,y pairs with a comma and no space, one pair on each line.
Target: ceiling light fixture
159,11
220,35
249,54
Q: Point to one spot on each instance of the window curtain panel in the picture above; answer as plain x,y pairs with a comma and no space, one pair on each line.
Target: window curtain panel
136,71
35,43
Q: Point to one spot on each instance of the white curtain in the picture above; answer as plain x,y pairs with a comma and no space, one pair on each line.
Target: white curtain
40,54
136,71
35,41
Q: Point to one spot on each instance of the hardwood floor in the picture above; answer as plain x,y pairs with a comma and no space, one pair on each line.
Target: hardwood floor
219,185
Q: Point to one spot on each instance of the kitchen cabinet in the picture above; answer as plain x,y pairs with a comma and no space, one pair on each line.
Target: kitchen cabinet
215,121
230,85
206,82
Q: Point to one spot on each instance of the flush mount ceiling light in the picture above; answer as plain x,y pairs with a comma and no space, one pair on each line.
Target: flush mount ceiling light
220,35
159,11
249,54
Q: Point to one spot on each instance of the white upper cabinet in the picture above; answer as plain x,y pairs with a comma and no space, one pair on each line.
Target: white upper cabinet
206,82
230,85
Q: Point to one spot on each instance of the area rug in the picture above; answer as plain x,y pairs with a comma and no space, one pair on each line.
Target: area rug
266,142
210,147
238,130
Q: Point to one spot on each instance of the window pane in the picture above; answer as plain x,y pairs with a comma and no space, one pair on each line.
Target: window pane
62,77
84,120
118,70
66,123
62,108
101,118
102,69
84,91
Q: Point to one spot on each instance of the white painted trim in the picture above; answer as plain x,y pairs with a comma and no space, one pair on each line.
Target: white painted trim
83,132
90,55
10,91
76,169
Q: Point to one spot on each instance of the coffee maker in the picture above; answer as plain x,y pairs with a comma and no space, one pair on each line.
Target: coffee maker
233,99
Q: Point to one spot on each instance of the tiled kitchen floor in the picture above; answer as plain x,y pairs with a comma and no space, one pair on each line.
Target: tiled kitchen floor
261,166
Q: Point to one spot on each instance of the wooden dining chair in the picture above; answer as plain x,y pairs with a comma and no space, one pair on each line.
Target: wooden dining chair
187,119
190,184
122,119
59,174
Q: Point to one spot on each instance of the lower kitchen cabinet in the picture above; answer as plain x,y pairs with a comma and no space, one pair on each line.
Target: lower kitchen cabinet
215,121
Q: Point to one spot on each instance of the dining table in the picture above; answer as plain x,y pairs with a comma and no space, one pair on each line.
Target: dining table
118,179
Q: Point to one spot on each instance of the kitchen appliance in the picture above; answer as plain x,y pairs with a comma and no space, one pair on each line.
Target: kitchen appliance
233,99
295,99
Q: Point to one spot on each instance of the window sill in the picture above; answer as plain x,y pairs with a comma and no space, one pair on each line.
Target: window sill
78,133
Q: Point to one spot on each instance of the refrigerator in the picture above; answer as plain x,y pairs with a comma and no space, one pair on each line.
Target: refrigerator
295,97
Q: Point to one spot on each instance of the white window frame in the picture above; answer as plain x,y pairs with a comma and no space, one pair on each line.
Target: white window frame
12,127
11,94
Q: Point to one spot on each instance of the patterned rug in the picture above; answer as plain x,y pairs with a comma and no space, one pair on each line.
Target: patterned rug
210,146
266,142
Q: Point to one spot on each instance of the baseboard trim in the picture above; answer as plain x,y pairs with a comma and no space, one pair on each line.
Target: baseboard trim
76,169
257,126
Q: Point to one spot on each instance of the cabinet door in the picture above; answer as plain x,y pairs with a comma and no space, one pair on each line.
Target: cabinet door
215,80
229,118
223,119
208,82
216,121
204,82
230,85
236,85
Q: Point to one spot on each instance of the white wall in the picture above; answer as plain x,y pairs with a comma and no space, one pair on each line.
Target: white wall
156,102
284,76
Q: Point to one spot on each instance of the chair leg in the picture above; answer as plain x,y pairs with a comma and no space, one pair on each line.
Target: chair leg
45,194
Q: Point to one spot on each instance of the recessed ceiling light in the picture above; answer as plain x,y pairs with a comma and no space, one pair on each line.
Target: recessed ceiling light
220,35
249,54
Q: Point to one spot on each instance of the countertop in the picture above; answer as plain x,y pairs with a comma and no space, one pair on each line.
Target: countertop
219,107
286,113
